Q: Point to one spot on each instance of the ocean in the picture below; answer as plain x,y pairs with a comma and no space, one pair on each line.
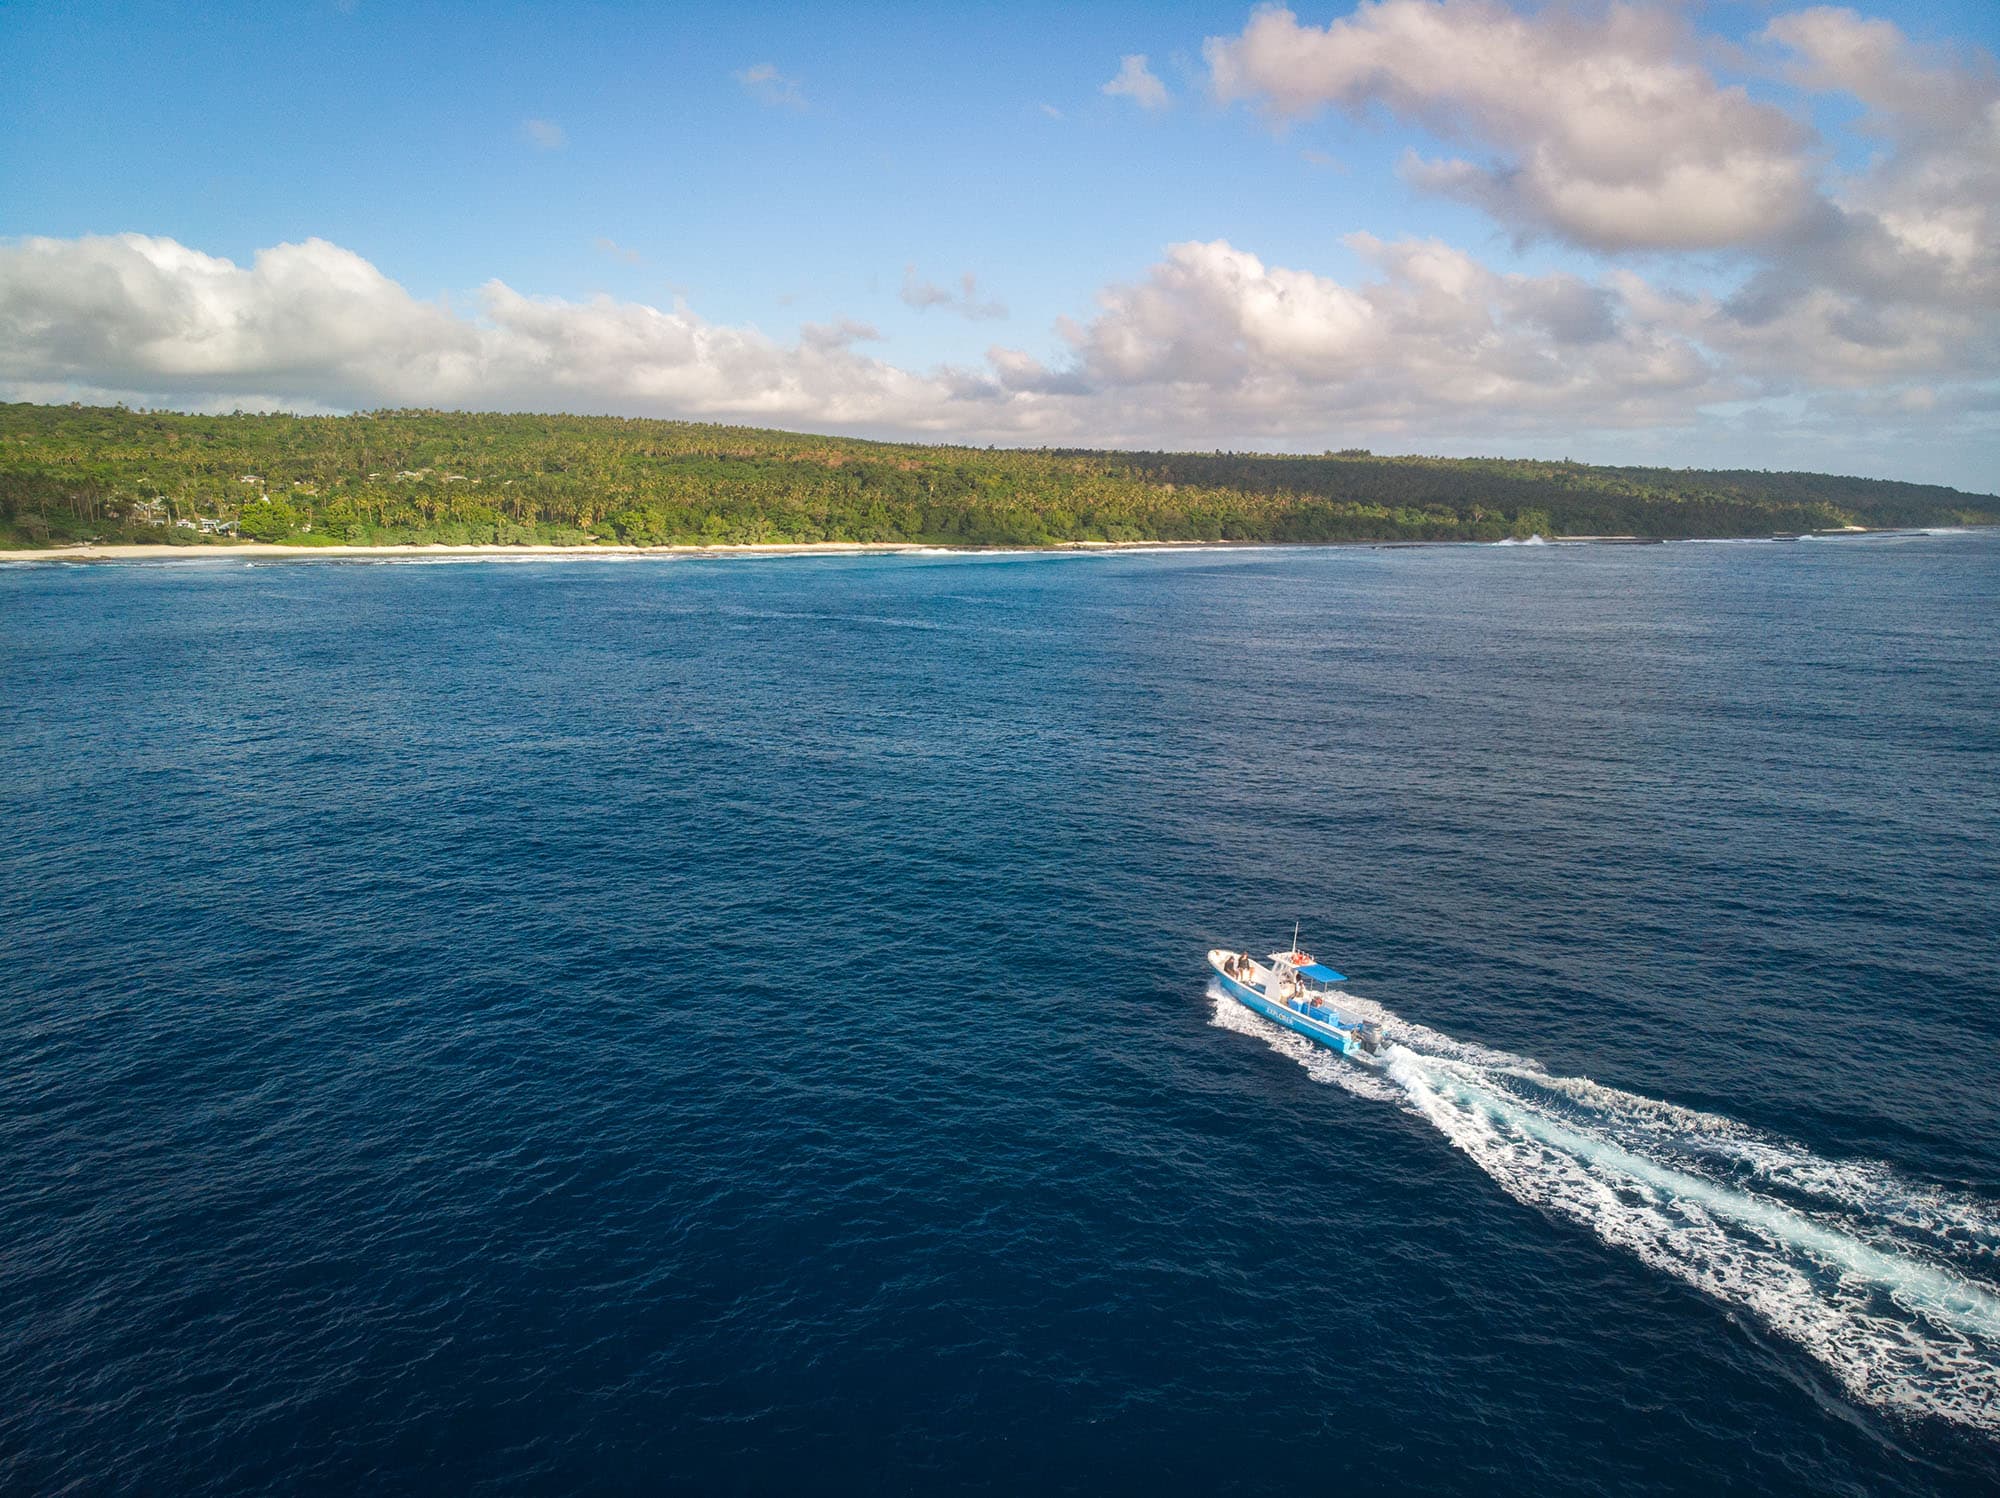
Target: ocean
741,1026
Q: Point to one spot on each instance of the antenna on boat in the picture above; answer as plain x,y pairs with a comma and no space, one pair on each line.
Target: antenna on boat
1295,938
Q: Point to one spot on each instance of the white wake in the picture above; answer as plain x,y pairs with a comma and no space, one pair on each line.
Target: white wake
1892,1285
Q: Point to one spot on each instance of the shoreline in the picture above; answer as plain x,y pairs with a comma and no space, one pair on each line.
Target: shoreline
489,551
87,552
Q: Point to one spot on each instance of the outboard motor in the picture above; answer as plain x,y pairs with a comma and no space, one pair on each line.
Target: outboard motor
1371,1037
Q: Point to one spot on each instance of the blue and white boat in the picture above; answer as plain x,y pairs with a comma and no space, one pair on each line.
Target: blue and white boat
1293,990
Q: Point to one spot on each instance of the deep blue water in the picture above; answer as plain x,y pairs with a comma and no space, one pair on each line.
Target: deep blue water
741,1025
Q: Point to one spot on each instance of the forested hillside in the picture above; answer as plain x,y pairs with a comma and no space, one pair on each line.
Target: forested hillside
69,473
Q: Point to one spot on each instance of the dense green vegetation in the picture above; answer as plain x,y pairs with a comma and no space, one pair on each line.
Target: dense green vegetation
69,473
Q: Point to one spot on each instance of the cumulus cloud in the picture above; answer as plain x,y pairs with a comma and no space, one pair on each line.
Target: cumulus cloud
764,83
1603,125
315,322
923,295
1136,81
1807,337
1433,334
1210,334
1209,346
1838,50
1894,275
1606,126
545,135
1922,221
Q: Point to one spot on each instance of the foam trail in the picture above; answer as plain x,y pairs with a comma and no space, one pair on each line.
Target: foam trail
1320,1063
1889,1284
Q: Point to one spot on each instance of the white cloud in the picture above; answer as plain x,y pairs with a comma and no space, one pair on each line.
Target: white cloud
1606,126
1210,346
1049,111
1838,50
764,83
923,295
1608,129
315,322
1921,222
616,251
1806,337
545,135
1135,81
1211,334
1433,335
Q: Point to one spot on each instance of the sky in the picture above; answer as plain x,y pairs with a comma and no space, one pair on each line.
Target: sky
1697,235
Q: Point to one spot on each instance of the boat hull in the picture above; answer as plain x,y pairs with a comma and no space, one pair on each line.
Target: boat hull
1331,1036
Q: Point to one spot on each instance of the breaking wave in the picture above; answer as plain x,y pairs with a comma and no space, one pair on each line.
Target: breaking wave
1892,1285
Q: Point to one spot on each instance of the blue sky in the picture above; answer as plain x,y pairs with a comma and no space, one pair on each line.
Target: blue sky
631,153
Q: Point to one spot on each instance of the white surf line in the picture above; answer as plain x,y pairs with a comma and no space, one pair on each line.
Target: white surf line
1895,1326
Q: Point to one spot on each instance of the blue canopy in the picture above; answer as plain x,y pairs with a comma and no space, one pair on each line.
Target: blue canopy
1319,972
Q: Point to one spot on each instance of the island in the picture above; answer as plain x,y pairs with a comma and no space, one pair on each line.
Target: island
109,476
